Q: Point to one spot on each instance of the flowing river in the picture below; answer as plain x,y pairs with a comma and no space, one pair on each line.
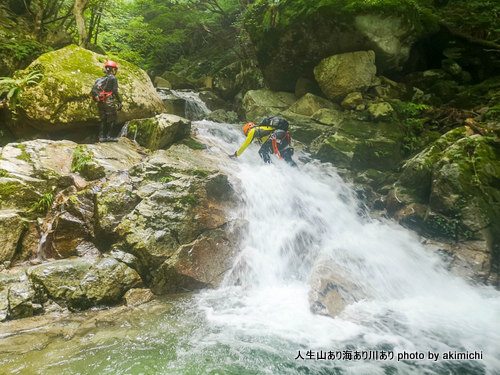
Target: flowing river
414,318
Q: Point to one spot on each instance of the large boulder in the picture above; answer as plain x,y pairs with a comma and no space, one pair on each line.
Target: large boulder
290,45
309,104
160,131
79,283
338,75
260,103
449,191
61,99
361,145
183,196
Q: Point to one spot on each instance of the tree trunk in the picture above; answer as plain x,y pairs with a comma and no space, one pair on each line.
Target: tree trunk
78,9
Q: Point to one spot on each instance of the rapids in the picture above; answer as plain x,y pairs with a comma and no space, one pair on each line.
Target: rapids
259,321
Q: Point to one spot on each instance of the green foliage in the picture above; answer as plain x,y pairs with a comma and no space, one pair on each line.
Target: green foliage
43,204
23,49
81,156
477,18
4,173
268,14
16,85
410,116
157,34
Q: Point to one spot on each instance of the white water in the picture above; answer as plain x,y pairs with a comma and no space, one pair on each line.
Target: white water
295,216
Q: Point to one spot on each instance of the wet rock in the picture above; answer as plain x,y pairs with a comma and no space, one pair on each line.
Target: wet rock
238,77
361,145
177,81
308,104
12,227
332,289
137,296
21,298
160,131
114,201
59,279
183,196
329,116
104,283
222,116
200,264
352,100
161,82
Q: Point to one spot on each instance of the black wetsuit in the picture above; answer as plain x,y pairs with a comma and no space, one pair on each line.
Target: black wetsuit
107,108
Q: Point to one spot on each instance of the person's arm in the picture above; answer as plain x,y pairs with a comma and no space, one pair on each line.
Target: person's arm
243,147
114,89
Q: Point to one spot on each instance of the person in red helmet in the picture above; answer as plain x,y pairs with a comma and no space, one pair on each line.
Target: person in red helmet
106,97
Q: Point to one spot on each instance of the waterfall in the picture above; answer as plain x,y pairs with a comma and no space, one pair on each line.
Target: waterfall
410,316
412,305
185,101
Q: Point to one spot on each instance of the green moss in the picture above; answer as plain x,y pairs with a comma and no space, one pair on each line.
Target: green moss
8,188
24,155
4,173
190,199
193,144
200,173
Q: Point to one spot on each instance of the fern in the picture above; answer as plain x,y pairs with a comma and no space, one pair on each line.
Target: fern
81,156
15,86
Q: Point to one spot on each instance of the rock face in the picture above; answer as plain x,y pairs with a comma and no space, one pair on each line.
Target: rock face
157,222
61,99
299,39
260,103
339,75
449,189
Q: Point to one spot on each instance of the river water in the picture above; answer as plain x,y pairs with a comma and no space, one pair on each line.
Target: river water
259,320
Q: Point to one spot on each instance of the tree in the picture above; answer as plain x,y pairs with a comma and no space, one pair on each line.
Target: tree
78,11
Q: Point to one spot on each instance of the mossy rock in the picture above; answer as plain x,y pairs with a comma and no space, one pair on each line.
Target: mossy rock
61,100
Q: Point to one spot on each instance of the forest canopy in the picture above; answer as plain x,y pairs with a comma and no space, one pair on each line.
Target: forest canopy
199,37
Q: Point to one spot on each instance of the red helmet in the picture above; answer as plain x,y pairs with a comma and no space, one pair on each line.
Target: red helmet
110,64
247,127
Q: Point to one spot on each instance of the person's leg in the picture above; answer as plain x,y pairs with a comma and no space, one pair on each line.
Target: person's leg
102,124
286,154
265,150
110,116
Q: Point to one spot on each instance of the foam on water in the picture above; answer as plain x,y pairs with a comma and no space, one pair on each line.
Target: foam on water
298,215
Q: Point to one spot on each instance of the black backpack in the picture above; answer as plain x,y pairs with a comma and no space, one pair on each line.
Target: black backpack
98,94
276,122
